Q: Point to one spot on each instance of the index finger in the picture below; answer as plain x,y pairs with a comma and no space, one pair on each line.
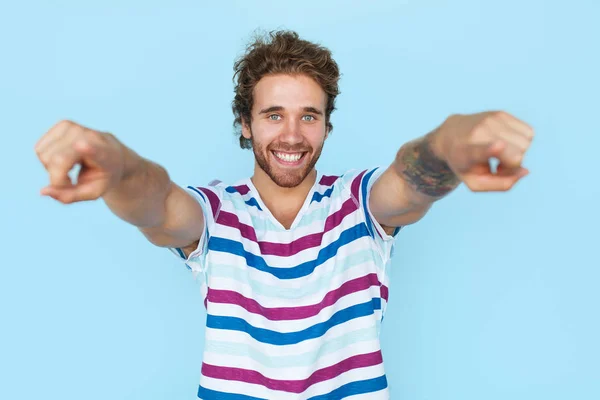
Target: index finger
56,131
518,125
59,166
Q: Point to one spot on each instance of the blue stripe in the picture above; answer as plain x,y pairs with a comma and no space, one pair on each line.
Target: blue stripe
364,184
253,202
197,191
207,394
304,269
279,338
354,388
318,196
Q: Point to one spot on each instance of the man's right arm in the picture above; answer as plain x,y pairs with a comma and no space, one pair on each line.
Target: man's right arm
135,189
163,211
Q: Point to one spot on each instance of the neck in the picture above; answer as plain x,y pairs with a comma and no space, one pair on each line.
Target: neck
282,200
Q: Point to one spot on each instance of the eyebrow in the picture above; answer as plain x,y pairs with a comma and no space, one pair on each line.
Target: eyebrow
280,108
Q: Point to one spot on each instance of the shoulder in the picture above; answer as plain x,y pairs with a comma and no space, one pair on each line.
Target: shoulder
216,193
359,181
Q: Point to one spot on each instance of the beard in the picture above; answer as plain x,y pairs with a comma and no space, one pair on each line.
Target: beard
287,178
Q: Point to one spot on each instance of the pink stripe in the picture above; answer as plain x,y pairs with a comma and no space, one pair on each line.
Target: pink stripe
328,180
288,249
213,199
293,313
296,386
242,189
385,292
229,219
355,186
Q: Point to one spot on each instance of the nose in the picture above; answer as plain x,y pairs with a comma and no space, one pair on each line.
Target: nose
292,133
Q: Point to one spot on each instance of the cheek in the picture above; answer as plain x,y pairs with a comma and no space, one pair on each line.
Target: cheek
316,136
265,133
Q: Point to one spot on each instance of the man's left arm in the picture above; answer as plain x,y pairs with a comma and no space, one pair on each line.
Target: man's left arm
458,151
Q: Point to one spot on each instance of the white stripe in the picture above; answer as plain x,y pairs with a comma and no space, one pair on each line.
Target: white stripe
289,372
326,348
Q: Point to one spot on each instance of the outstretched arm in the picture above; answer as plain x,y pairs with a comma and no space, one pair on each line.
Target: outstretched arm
427,169
135,189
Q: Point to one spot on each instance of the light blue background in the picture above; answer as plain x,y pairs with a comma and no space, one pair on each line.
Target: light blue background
493,296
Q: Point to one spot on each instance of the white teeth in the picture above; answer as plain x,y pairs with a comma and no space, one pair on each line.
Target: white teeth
288,157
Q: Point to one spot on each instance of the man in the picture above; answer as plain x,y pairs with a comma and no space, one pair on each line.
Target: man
293,263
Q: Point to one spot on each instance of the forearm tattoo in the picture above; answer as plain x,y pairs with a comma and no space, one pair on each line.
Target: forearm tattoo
424,171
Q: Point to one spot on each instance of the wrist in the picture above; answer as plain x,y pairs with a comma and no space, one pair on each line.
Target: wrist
132,163
436,144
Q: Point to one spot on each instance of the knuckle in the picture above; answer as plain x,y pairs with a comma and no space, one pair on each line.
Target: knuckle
59,160
44,159
65,123
84,140
95,135
481,133
89,137
516,159
498,114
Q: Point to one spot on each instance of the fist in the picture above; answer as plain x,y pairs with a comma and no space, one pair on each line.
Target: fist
99,155
468,142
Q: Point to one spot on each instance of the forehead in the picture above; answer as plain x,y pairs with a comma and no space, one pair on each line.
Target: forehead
289,91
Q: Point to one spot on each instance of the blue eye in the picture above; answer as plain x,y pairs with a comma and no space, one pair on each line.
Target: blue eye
309,116
274,117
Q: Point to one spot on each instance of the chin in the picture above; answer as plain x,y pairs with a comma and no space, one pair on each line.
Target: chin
284,176
288,180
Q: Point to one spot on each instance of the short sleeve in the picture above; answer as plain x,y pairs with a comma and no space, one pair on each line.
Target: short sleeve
360,184
208,198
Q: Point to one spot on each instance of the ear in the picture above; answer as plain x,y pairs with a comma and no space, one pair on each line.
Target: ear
246,132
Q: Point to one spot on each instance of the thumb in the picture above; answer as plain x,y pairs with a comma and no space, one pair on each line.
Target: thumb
81,192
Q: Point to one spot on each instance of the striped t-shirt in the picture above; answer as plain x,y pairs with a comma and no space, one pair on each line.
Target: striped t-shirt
293,313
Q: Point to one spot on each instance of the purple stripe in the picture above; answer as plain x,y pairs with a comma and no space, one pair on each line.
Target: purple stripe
242,189
293,313
328,180
385,292
355,186
288,249
293,386
213,199
229,219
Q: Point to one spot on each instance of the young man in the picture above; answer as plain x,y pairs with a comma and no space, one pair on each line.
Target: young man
293,263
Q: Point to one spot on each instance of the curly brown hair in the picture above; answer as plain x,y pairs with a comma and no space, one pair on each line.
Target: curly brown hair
281,52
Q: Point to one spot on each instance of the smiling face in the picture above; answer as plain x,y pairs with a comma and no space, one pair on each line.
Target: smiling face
288,127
